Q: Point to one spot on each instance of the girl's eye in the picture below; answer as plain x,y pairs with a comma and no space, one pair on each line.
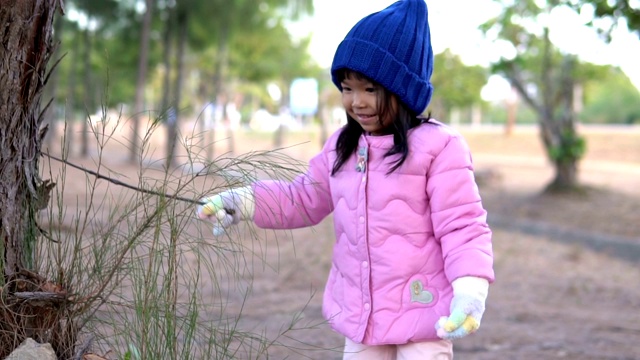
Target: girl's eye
371,89
346,88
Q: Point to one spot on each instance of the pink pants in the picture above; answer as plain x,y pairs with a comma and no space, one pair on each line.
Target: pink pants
427,350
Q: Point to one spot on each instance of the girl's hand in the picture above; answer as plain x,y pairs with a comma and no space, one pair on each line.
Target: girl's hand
467,307
227,208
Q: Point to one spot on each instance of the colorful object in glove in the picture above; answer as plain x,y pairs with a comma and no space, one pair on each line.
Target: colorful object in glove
456,326
454,321
214,207
458,321
227,208
467,308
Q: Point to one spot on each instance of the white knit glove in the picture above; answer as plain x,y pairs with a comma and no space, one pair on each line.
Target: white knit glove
467,307
227,208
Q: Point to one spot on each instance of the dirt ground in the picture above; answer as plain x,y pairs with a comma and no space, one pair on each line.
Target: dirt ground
567,275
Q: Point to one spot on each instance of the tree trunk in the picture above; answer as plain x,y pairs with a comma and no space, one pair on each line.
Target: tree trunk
26,36
512,111
566,176
166,56
52,111
221,92
89,107
174,124
142,75
218,93
570,146
556,116
280,133
70,105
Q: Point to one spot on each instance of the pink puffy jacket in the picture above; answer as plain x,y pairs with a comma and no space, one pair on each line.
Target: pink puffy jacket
400,238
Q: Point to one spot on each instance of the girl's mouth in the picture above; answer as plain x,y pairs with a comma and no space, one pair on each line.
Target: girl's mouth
365,117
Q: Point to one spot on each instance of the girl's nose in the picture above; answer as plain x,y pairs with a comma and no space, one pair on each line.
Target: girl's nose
357,100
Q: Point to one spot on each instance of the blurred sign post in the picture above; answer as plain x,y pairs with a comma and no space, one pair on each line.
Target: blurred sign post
303,97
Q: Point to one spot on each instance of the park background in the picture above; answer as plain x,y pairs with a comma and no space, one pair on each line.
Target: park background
158,94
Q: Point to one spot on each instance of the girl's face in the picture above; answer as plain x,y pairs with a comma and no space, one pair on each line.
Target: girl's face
361,99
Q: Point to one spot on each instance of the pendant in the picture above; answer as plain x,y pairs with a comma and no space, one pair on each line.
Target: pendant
361,164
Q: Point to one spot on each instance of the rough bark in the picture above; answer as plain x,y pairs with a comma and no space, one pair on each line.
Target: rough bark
26,45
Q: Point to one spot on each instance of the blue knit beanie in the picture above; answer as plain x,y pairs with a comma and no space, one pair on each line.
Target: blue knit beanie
393,48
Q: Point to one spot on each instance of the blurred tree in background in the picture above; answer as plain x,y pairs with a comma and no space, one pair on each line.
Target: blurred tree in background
542,76
608,14
187,55
613,100
203,48
547,80
457,86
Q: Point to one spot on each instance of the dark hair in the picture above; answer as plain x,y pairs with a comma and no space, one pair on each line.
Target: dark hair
405,119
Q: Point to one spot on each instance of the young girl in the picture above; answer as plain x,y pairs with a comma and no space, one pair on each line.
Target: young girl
413,258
